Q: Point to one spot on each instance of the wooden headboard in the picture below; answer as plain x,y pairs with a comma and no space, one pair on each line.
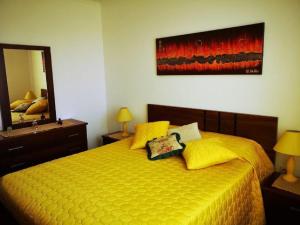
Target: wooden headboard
44,93
262,129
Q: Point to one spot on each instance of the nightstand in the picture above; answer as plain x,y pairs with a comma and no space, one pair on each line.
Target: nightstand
281,207
113,137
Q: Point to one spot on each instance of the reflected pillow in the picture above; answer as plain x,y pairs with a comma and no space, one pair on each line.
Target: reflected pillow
206,152
38,107
187,132
164,147
16,103
29,95
22,107
38,99
148,131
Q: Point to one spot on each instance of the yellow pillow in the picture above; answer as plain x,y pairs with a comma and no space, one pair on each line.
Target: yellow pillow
38,107
148,131
206,152
16,103
173,126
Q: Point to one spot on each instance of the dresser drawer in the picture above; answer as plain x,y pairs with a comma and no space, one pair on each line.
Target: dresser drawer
73,134
28,142
21,150
33,148
14,152
14,145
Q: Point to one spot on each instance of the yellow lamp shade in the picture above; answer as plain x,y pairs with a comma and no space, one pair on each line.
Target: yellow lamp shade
289,143
123,117
29,95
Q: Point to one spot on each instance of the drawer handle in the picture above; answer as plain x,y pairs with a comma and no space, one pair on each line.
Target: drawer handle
294,209
73,135
17,165
15,148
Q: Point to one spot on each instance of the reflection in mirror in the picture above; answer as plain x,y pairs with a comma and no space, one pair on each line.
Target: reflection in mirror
27,85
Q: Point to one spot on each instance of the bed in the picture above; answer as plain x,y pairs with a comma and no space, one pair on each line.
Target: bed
15,116
114,185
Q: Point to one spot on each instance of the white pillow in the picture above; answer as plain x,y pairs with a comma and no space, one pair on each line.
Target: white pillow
187,132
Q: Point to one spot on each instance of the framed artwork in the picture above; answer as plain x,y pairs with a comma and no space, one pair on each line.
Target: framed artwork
235,50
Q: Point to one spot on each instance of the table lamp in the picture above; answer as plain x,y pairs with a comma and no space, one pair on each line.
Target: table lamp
124,116
29,95
289,144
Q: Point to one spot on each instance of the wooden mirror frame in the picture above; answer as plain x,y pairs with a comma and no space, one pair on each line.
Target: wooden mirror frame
4,94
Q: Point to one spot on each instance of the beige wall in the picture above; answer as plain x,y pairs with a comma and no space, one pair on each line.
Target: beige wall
18,73
130,28
37,75
73,30
24,71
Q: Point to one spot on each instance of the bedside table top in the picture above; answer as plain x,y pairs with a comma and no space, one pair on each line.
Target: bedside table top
281,207
267,186
293,187
117,135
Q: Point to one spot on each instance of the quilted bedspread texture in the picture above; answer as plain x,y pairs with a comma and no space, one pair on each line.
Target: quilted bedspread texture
112,185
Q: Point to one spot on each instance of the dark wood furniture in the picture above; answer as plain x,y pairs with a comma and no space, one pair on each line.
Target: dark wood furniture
281,207
5,217
112,137
262,129
4,100
44,93
24,147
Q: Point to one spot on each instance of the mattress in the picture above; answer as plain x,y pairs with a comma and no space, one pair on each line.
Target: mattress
114,185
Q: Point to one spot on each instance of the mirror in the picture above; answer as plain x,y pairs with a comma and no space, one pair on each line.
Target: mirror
27,93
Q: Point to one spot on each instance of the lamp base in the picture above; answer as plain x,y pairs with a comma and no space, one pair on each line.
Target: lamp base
125,134
290,167
290,178
125,130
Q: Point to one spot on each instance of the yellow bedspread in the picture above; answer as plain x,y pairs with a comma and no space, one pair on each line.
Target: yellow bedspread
115,185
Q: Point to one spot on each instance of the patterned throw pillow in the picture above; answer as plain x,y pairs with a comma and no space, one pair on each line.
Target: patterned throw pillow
16,103
160,148
38,107
22,107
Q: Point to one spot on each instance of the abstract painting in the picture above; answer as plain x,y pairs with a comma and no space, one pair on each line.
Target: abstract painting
236,50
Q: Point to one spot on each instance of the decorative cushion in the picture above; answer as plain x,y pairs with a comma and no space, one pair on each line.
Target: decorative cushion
148,131
187,133
38,99
164,147
16,103
22,107
206,152
29,95
38,107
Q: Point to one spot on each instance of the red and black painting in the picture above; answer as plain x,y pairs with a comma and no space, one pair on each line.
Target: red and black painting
236,50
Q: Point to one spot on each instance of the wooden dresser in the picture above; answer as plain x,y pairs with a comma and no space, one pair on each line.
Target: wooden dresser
25,147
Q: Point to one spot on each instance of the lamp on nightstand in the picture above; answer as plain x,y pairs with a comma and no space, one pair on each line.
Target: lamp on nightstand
289,144
124,116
